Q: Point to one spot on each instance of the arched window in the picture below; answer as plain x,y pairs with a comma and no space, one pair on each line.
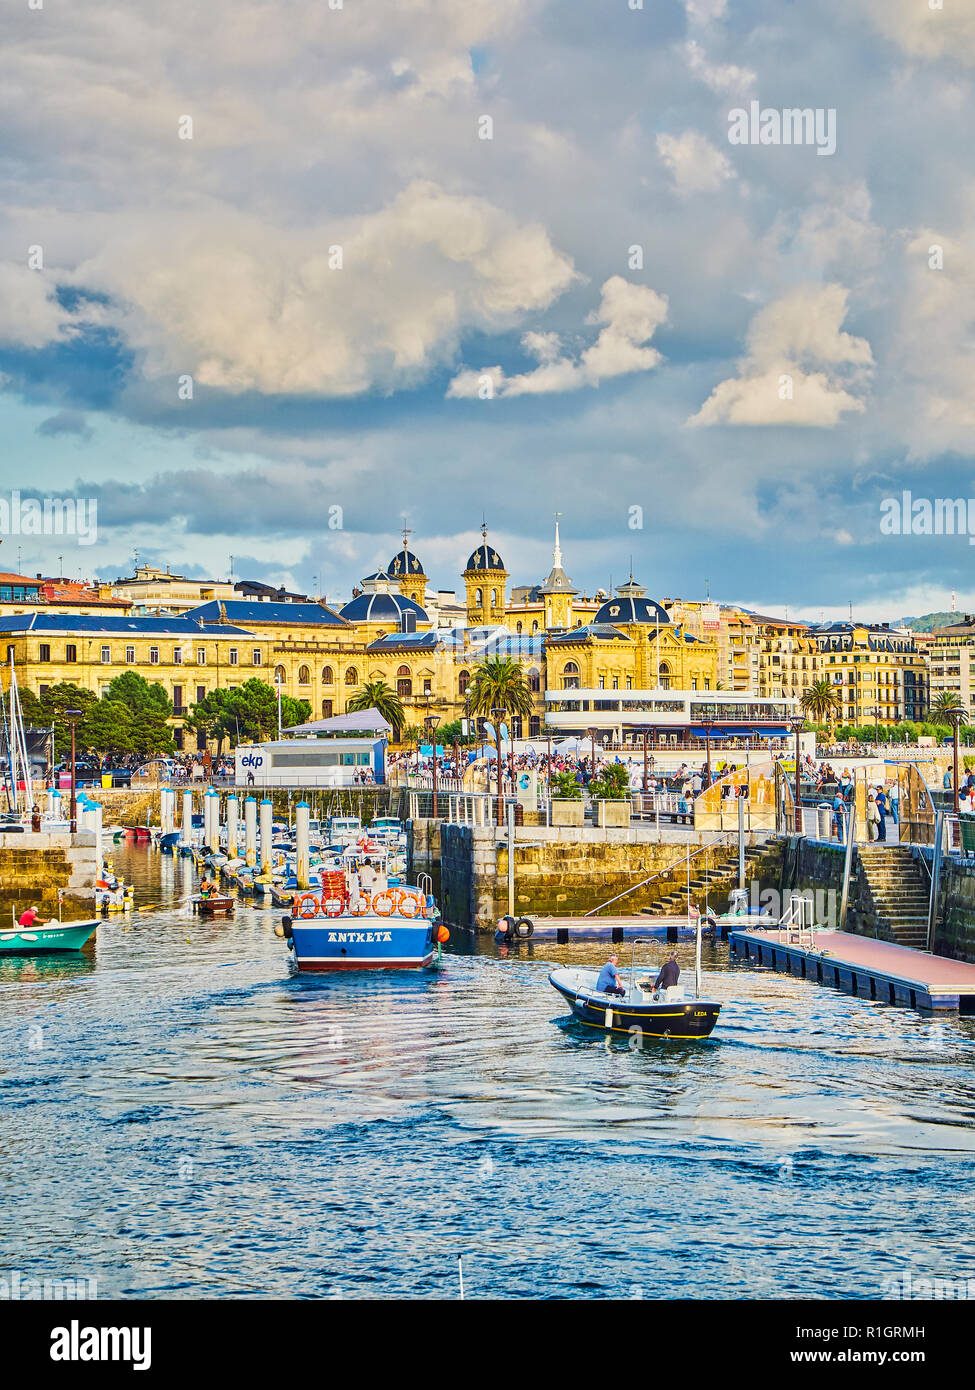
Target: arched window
534,681
463,681
403,671
534,628
328,676
518,628
304,676
494,598
570,676
351,676
478,596
279,675
664,675
326,709
404,685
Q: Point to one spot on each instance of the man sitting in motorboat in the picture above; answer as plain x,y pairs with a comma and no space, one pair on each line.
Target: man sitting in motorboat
668,975
609,981
29,918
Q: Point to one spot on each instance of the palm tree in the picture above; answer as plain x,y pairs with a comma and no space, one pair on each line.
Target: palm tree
498,683
941,711
383,699
821,701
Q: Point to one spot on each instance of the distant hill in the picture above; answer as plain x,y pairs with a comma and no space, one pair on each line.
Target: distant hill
928,621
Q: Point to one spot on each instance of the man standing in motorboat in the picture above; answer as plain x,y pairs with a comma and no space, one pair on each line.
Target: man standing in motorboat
609,981
667,976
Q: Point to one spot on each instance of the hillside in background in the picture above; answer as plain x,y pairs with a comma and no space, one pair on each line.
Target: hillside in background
928,621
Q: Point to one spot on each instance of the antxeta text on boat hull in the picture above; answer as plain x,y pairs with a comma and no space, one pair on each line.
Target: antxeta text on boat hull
674,1017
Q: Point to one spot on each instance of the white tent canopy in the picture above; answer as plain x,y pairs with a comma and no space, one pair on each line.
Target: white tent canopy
366,721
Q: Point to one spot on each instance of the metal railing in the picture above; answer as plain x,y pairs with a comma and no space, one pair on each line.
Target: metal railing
661,873
797,926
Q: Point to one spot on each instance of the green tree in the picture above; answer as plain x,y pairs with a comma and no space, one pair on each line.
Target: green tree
383,699
135,692
499,683
612,784
821,701
107,732
52,708
246,714
946,703
564,784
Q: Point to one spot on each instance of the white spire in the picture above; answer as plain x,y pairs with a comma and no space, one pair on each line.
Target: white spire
557,552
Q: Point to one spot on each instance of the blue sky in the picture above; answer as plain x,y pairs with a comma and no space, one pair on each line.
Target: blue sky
594,309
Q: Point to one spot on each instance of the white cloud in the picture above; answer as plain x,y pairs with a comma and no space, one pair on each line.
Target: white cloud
244,305
791,375
705,11
30,316
629,315
720,77
695,164
923,32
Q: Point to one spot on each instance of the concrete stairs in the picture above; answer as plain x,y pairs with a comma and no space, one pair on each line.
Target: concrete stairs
898,888
720,879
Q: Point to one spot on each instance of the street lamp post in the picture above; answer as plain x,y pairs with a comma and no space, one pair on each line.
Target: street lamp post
592,740
797,723
498,716
957,717
431,723
645,775
72,716
876,723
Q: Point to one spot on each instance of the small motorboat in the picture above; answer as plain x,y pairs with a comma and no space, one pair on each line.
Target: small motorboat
49,939
642,1011
212,904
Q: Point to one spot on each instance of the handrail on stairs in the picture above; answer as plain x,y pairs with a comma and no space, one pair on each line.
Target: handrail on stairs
661,873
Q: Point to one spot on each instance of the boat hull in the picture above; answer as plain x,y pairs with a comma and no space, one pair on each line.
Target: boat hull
57,940
683,1020
362,943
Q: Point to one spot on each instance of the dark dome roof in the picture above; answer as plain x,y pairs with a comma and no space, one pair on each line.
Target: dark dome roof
404,563
627,610
381,608
485,557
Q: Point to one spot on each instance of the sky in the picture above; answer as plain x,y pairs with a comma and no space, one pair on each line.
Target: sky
276,276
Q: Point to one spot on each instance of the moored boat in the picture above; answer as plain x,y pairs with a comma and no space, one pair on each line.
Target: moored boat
51,938
393,928
212,904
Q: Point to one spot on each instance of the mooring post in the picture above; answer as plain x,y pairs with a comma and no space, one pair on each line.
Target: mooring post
266,831
186,831
511,858
301,844
938,848
741,841
250,830
233,812
851,817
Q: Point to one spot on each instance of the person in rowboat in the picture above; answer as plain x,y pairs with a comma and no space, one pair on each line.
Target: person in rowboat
207,886
29,918
609,981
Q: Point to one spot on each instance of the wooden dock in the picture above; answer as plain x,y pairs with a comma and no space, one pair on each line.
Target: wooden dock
608,928
863,966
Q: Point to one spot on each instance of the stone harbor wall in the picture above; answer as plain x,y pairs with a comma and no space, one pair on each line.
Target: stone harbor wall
955,929
34,867
560,871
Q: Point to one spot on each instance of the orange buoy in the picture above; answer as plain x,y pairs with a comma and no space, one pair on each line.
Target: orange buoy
443,935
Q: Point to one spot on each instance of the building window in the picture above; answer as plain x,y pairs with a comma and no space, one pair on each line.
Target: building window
256,656
351,676
106,656
233,656
153,656
404,683
516,726
328,676
463,681
518,628
42,690
570,676
326,709
201,656
304,676
44,654
534,682
279,675
201,693
535,726
534,628
177,656
130,655
177,699
71,652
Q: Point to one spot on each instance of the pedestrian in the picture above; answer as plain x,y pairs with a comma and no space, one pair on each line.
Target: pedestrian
873,817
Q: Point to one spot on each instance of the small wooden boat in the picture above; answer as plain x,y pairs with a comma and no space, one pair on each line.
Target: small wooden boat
214,905
51,939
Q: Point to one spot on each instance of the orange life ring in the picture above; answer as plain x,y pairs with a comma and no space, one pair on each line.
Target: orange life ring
365,905
408,898
299,904
387,897
327,904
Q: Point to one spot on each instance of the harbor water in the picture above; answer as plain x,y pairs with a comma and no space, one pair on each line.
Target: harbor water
182,1116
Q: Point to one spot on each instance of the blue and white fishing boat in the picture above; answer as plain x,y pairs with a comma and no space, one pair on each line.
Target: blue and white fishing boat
393,928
